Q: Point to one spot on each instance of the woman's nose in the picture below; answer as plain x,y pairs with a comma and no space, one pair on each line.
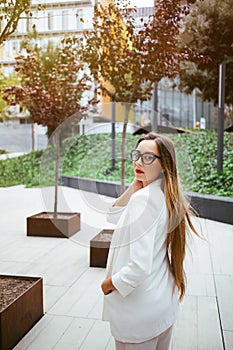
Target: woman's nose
139,160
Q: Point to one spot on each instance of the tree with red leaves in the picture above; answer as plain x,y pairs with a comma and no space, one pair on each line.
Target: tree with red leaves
51,92
126,59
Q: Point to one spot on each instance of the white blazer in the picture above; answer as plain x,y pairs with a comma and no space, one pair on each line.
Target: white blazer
143,304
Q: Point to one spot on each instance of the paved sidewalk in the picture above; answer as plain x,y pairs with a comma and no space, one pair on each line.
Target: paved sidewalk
72,295
11,155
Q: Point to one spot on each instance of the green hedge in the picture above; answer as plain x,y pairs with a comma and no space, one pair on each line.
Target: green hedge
21,170
89,156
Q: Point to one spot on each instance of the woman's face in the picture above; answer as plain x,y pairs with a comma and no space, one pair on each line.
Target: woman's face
147,173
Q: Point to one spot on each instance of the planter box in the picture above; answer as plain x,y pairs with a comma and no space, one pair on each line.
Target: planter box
213,207
99,247
19,310
208,206
43,224
107,188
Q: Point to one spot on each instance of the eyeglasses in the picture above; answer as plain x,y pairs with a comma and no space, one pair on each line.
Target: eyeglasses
147,158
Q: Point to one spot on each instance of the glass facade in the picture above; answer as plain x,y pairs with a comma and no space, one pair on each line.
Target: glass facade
181,110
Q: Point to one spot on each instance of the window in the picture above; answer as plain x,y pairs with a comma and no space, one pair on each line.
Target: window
15,47
64,19
79,16
29,24
50,20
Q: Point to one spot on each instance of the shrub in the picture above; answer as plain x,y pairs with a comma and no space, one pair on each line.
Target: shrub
90,156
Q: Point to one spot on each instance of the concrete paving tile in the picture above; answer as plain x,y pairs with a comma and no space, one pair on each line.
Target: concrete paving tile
111,344
72,295
198,326
50,334
75,302
202,285
51,295
34,333
228,336
221,242
197,260
98,338
224,285
75,335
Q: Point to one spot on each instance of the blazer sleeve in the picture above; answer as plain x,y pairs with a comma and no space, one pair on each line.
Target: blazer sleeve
142,231
114,214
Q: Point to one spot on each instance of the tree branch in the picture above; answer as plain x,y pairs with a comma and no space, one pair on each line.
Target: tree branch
14,19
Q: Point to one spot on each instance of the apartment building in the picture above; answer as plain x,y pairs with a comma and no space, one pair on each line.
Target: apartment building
65,17
52,22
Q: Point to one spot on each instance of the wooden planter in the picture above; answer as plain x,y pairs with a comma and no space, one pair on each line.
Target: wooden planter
44,224
21,306
99,248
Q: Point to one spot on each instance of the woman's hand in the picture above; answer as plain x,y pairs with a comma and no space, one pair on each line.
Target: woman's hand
136,185
125,197
107,286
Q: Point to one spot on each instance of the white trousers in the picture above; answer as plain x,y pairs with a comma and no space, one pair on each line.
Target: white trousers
161,342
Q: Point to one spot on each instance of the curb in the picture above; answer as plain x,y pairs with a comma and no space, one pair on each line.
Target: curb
11,155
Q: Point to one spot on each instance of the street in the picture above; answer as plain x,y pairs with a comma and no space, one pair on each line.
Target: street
15,137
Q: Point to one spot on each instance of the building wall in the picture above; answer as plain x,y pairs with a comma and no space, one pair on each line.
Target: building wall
55,20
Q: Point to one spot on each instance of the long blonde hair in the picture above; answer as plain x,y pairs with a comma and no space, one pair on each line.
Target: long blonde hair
178,208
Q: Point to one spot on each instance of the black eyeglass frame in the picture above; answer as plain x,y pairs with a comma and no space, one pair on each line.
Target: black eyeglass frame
140,155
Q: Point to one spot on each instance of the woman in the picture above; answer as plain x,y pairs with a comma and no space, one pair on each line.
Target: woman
145,277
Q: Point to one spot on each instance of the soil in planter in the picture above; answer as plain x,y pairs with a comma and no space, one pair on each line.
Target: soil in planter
11,289
105,236
51,216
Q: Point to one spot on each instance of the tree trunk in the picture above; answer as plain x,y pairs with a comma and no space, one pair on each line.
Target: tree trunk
33,137
113,149
57,147
221,104
123,147
154,122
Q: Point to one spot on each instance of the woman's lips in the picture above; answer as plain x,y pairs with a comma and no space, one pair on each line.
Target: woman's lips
138,171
